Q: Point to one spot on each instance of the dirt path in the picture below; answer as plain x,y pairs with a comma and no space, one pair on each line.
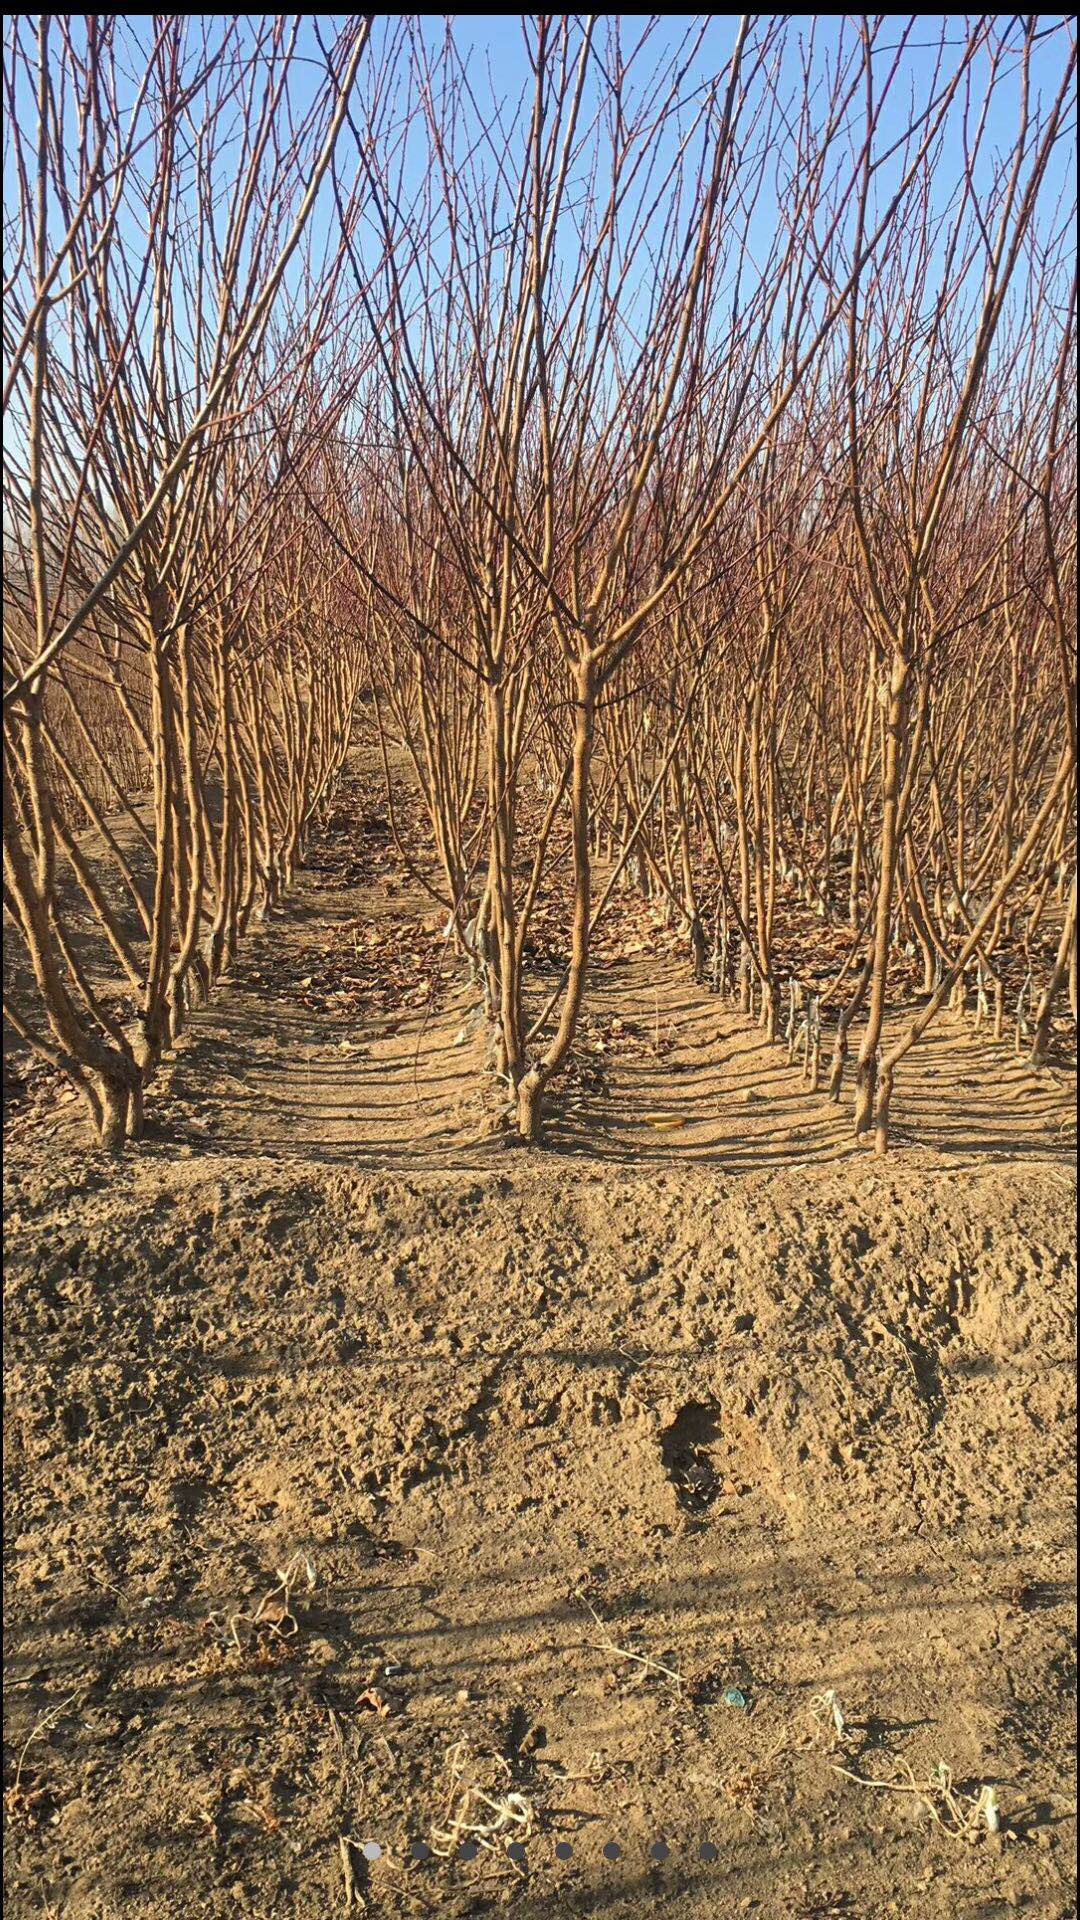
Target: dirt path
721,1094
606,1461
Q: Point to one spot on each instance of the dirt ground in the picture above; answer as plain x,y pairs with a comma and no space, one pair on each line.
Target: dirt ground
370,1482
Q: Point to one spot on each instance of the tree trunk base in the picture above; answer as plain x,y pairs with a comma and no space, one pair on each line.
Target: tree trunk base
115,1098
697,951
529,1109
881,1125
836,1072
865,1089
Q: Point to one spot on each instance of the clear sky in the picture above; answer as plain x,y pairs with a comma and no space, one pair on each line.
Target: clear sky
495,56
495,52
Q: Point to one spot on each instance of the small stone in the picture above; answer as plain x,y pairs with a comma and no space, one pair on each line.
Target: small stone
71,1813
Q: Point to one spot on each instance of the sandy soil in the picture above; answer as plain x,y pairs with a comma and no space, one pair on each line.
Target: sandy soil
554,1451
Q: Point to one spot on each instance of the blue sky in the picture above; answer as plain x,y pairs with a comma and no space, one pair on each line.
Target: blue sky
495,57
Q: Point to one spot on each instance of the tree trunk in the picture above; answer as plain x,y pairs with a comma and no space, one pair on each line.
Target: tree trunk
866,1072
1040,1046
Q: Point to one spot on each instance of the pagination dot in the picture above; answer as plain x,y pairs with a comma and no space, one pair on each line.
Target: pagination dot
563,1850
612,1850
